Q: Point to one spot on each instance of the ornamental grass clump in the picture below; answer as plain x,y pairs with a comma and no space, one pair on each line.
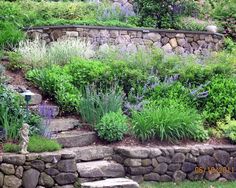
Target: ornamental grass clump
168,120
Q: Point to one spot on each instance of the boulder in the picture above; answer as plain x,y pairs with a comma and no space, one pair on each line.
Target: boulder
19,171
7,169
161,168
174,167
140,170
178,158
63,124
30,178
12,181
179,175
133,152
222,157
46,180
1,179
152,177
65,178
132,162
206,161
188,167
68,165
15,159
38,164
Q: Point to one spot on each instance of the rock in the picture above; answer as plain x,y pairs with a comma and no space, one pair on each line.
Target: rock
46,180
146,162
91,153
229,175
111,183
181,42
12,181
131,48
162,159
155,152
132,162
212,176
137,179
195,152
212,28
72,33
63,124
7,169
164,40
173,43
15,159
174,166
1,179
154,163
206,161
19,171
50,157
52,171
118,158
76,138
181,149
140,170
179,50
178,158
167,48
152,177
133,152
165,178
65,178
180,35
193,176
179,175
30,178
68,165
161,168
32,156
190,158
38,164
69,155
154,36
157,44
188,167
97,169
222,157
36,99
222,180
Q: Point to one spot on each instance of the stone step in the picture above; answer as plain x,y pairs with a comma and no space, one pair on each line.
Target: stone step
75,138
63,124
100,169
111,183
91,153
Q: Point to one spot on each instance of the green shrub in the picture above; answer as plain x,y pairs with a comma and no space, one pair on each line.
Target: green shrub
168,120
37,144
112,126
87,72
221,100
95,104
55,82
14,62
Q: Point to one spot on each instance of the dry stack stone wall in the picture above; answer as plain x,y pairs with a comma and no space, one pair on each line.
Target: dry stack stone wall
131,38
178,163
38,170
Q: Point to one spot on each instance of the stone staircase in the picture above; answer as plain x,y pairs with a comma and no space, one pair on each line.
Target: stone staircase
95,166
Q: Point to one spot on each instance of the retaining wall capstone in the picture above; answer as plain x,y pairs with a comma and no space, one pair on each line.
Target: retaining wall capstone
55,170
130,39
165,164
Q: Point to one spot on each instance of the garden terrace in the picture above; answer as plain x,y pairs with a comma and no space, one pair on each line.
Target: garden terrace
129,38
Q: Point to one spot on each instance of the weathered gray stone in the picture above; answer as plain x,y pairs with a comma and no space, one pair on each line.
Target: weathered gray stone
206,161
72,33
65,178
52,171
154,152
180,35
76,139
146,162
111,183
154,36
1,179
212,176
179,175
140,170
165,178
69,155
195,176
154,163
133,152
173,42
12,181
46,180
190,158
7,169
19,171
188,167
222,157
63,124
182,149
117,158
137,179
161,168
222,180
179,50
181,41
195,152
67,165
92,153
38,164
164,40
36,99
178,158
152,177
162,159
30,178
50,157
15,159
32,156
100,169
167,48
132,162
174,166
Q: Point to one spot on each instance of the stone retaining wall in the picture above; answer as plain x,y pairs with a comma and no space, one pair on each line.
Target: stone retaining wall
38,170
132,38
178,163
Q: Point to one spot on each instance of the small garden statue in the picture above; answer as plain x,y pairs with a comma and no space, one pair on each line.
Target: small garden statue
24,133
